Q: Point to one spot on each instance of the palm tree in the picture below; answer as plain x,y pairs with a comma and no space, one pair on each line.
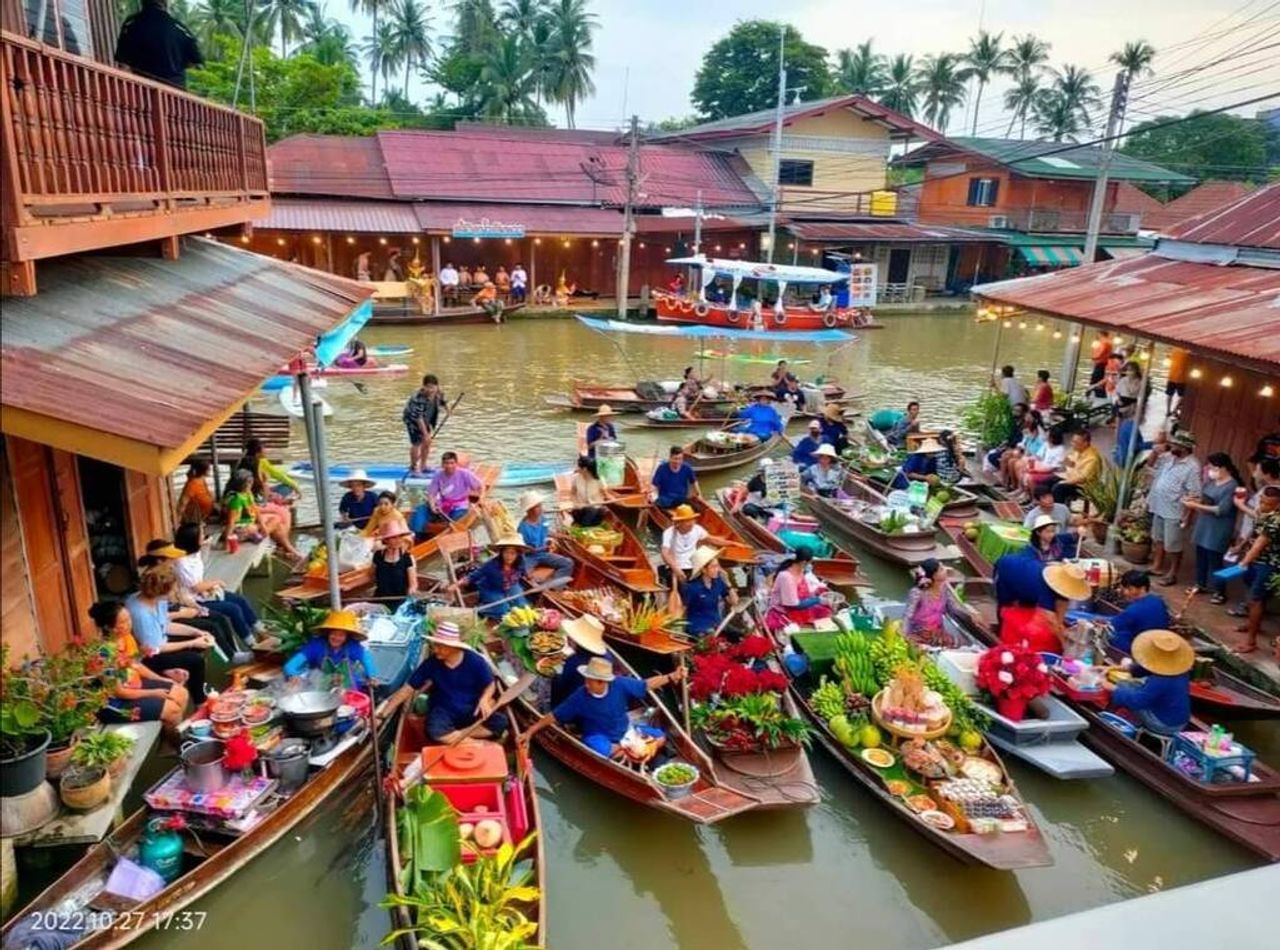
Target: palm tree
382,52
522,16
507,83
571,58
408,20
1057,117
475,28
901,89
328,41
986,58
1021,100
542,57
217,18
941,87
373,8
1135,59
1079,93
1028,56
287,16
861,71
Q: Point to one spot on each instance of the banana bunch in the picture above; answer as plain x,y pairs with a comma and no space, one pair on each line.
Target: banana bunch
518,617
889,651
828,699
855,663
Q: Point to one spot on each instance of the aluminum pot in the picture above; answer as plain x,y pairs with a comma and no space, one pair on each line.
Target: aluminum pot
288,763
202,765
312,712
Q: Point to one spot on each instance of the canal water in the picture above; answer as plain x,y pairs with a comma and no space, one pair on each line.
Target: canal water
626,877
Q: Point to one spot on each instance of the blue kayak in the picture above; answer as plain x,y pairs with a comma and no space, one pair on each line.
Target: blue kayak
514,474
384,350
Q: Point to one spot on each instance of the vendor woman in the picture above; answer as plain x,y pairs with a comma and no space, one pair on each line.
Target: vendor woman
1048,543
335,649
794,597
704,593
1026,604
930,600
1160,694
499,579
395,572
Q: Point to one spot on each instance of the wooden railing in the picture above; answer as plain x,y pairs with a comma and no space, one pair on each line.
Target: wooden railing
87,142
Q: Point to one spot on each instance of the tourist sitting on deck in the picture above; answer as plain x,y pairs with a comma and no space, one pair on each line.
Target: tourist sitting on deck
358,503
1026,604
250,523
760,419
795,597
1083,466
803,452
502,281
825,476
166,644
537,535
905,426
395,571
676,482
834,431
500,578
271,484
480,276
587,635
1050,543
1045,505
140,695
1145,610
462,690
336,650
448,496
1032,471
211,595
601,429
465,280
449,279
599,711
992,461
1030,444
930,599
1160,694
196,503
184,606
586,494
704,592
486,299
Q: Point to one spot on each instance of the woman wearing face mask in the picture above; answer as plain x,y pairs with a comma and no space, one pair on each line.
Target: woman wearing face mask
1216,518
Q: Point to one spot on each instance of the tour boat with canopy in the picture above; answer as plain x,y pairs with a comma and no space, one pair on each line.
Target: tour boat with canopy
754,295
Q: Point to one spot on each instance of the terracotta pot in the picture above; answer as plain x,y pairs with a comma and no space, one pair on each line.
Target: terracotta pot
116,768
84,789
1136,552
1099,531
1011,708
57,760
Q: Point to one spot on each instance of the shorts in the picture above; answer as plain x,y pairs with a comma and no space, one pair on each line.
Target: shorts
1168,532
415,434
1260,576
146,709
602,745
1150,722
1175,389
441,722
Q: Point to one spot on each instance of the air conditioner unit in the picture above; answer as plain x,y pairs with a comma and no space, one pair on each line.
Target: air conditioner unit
998,221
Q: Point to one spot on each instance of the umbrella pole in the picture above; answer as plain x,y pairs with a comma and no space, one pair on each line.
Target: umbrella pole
314,415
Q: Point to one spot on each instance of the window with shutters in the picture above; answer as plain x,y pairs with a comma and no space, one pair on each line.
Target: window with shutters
983,191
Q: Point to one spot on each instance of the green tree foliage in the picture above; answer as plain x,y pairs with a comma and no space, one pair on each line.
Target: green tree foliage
861,71
1220,145
985,59
410,27
566,73
739,74
901,88
941,88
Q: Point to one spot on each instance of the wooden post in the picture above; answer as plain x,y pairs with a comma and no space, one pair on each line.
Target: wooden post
435,271
333,261
159,129
170,247
533,271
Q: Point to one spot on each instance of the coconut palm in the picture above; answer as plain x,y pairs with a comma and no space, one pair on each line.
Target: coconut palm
1028,56
287,17
475,26
1079,93
507,83
1021,100
1057,117
521,16
571,58
901,90
374,9
328,41
539,44
409,25
1135,59
382,52
861,71
217,18
985,58
941,88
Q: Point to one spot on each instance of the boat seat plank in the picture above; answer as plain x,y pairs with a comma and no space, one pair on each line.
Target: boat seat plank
712,804
229,569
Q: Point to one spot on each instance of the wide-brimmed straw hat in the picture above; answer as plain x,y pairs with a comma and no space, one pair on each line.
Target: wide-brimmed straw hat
826,450
587,632
395,528
1163,652
509,541
701,558
169,552
344,620
764,394
605,410
447,634
1067,580
1184,438
598,668
684,513
358,475
928,447
1043,521
530,499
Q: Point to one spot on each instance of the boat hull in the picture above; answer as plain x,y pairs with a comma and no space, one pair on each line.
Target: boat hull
903,549
702,461
671,309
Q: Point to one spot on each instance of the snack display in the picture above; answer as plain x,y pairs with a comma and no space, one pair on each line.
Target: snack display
939,819
880,758
922,758
921,803
546,642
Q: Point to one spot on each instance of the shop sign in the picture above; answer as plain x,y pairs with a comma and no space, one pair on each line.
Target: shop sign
862,285
486,228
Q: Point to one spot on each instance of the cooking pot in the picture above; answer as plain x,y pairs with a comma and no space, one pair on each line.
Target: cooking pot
288,763
202,765
311,712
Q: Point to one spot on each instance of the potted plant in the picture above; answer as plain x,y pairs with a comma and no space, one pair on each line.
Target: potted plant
1103,495
1013,676
988,419
84,788
1135,538
108,749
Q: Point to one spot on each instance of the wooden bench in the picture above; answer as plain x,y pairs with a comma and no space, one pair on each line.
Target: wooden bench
271,428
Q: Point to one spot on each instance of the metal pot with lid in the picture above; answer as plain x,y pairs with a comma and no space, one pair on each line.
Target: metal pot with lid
289,763
202,765
312,712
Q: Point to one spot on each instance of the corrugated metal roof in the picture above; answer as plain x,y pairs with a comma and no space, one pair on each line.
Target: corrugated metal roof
1057,160
355,217
1253,221
1201,199
887,231
345,166
762,121
441,216
1130,199
1233,312
151,350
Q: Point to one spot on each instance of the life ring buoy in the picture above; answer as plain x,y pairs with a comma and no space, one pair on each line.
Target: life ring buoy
733,316
780,317
701,309
683,306
829,320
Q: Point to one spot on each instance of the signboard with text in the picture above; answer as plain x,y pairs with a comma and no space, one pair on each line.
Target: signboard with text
862,285
486,228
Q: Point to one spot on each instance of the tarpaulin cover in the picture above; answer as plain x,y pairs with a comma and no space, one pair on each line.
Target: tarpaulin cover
702,331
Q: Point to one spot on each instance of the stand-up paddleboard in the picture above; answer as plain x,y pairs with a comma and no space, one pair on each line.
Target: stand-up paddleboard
388,350
514,474
291,401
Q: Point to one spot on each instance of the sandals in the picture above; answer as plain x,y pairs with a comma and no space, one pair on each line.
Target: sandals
1167,581
1218,599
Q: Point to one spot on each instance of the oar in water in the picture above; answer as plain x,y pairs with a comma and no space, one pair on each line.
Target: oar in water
448,414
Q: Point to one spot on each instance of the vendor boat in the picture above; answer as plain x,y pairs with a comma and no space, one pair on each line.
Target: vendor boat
592,592
613,550
648,421
959,503
639,398
720,450
784,315
408,314
503,785
740,550
512,475
857,517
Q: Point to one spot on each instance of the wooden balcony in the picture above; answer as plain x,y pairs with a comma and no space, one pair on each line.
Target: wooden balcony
96,157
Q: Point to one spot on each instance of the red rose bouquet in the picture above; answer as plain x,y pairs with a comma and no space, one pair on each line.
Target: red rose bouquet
1014,676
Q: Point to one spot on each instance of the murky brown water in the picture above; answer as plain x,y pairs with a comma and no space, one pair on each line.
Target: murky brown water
622,876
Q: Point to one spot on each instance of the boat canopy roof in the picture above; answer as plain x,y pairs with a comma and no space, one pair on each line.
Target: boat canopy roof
740,270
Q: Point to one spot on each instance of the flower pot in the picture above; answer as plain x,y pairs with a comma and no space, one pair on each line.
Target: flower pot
1136,552
84,789
57,759
1099,531
24,773
1011,707
117,767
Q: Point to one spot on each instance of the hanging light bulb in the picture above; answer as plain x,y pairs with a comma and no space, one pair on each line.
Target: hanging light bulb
1057,334
1196,374
1039,327
1075,338
1166,362
1227,382
1007,324
1266,392
1022,324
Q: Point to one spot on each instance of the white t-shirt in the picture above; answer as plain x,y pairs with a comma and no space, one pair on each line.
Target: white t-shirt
189,571
682,545
1060,514
1013,390
1053,456
448,277
519,278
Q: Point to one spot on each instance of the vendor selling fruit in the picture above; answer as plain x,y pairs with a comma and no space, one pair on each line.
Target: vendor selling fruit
598,709
1146,611
1160,694
704,592
1049,542
462,690
337,648
795,596
499,578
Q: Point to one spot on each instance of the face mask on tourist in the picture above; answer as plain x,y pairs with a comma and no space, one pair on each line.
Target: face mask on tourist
1212,472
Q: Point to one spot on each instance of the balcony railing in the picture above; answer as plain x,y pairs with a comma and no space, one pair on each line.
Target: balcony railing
1058,220
96,157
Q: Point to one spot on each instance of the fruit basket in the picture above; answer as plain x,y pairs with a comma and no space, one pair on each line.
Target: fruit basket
906,730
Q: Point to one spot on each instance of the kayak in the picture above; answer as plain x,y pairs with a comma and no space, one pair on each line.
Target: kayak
318,375
280,382
514,474
291,400
763,359
388,350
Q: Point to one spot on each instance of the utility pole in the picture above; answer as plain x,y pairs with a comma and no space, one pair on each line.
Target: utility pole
697,243
777,141
1119,98
628,221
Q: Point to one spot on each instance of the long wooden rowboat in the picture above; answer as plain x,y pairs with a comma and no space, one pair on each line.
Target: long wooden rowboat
711,800
961,503
838,571
703,457
843,523
521,802
646,422
1002,851
740,550
628,564
574,601
628,399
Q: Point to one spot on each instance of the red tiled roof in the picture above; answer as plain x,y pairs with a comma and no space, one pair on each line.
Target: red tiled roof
1209,196
1228,311
356,217
441,216
855,232
346,166
1130,199
1251,221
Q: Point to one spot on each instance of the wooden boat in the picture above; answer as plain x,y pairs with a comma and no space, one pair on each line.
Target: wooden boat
512,475
648,422
627,565
705,456
521,805
628,399
410,315
575,600
740,551
1002,851
961,503
709,801
838,571
847,521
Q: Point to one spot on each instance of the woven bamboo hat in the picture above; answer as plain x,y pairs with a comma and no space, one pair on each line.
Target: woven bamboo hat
587,632
1068,581
344,620
1163,652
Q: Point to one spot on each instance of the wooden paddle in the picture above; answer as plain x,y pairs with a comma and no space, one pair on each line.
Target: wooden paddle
377,754
448,414
511,692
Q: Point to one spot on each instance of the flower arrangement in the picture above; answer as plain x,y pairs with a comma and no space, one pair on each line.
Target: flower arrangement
1013,676
738,707
724,670
239,753
61,693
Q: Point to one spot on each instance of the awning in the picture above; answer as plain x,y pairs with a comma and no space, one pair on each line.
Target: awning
1049,255
1124,253
345,217
471,220
137,360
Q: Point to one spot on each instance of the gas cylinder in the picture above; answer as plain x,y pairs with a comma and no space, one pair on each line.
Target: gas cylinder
161,848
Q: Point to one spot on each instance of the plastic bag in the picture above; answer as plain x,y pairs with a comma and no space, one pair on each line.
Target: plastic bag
354,550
